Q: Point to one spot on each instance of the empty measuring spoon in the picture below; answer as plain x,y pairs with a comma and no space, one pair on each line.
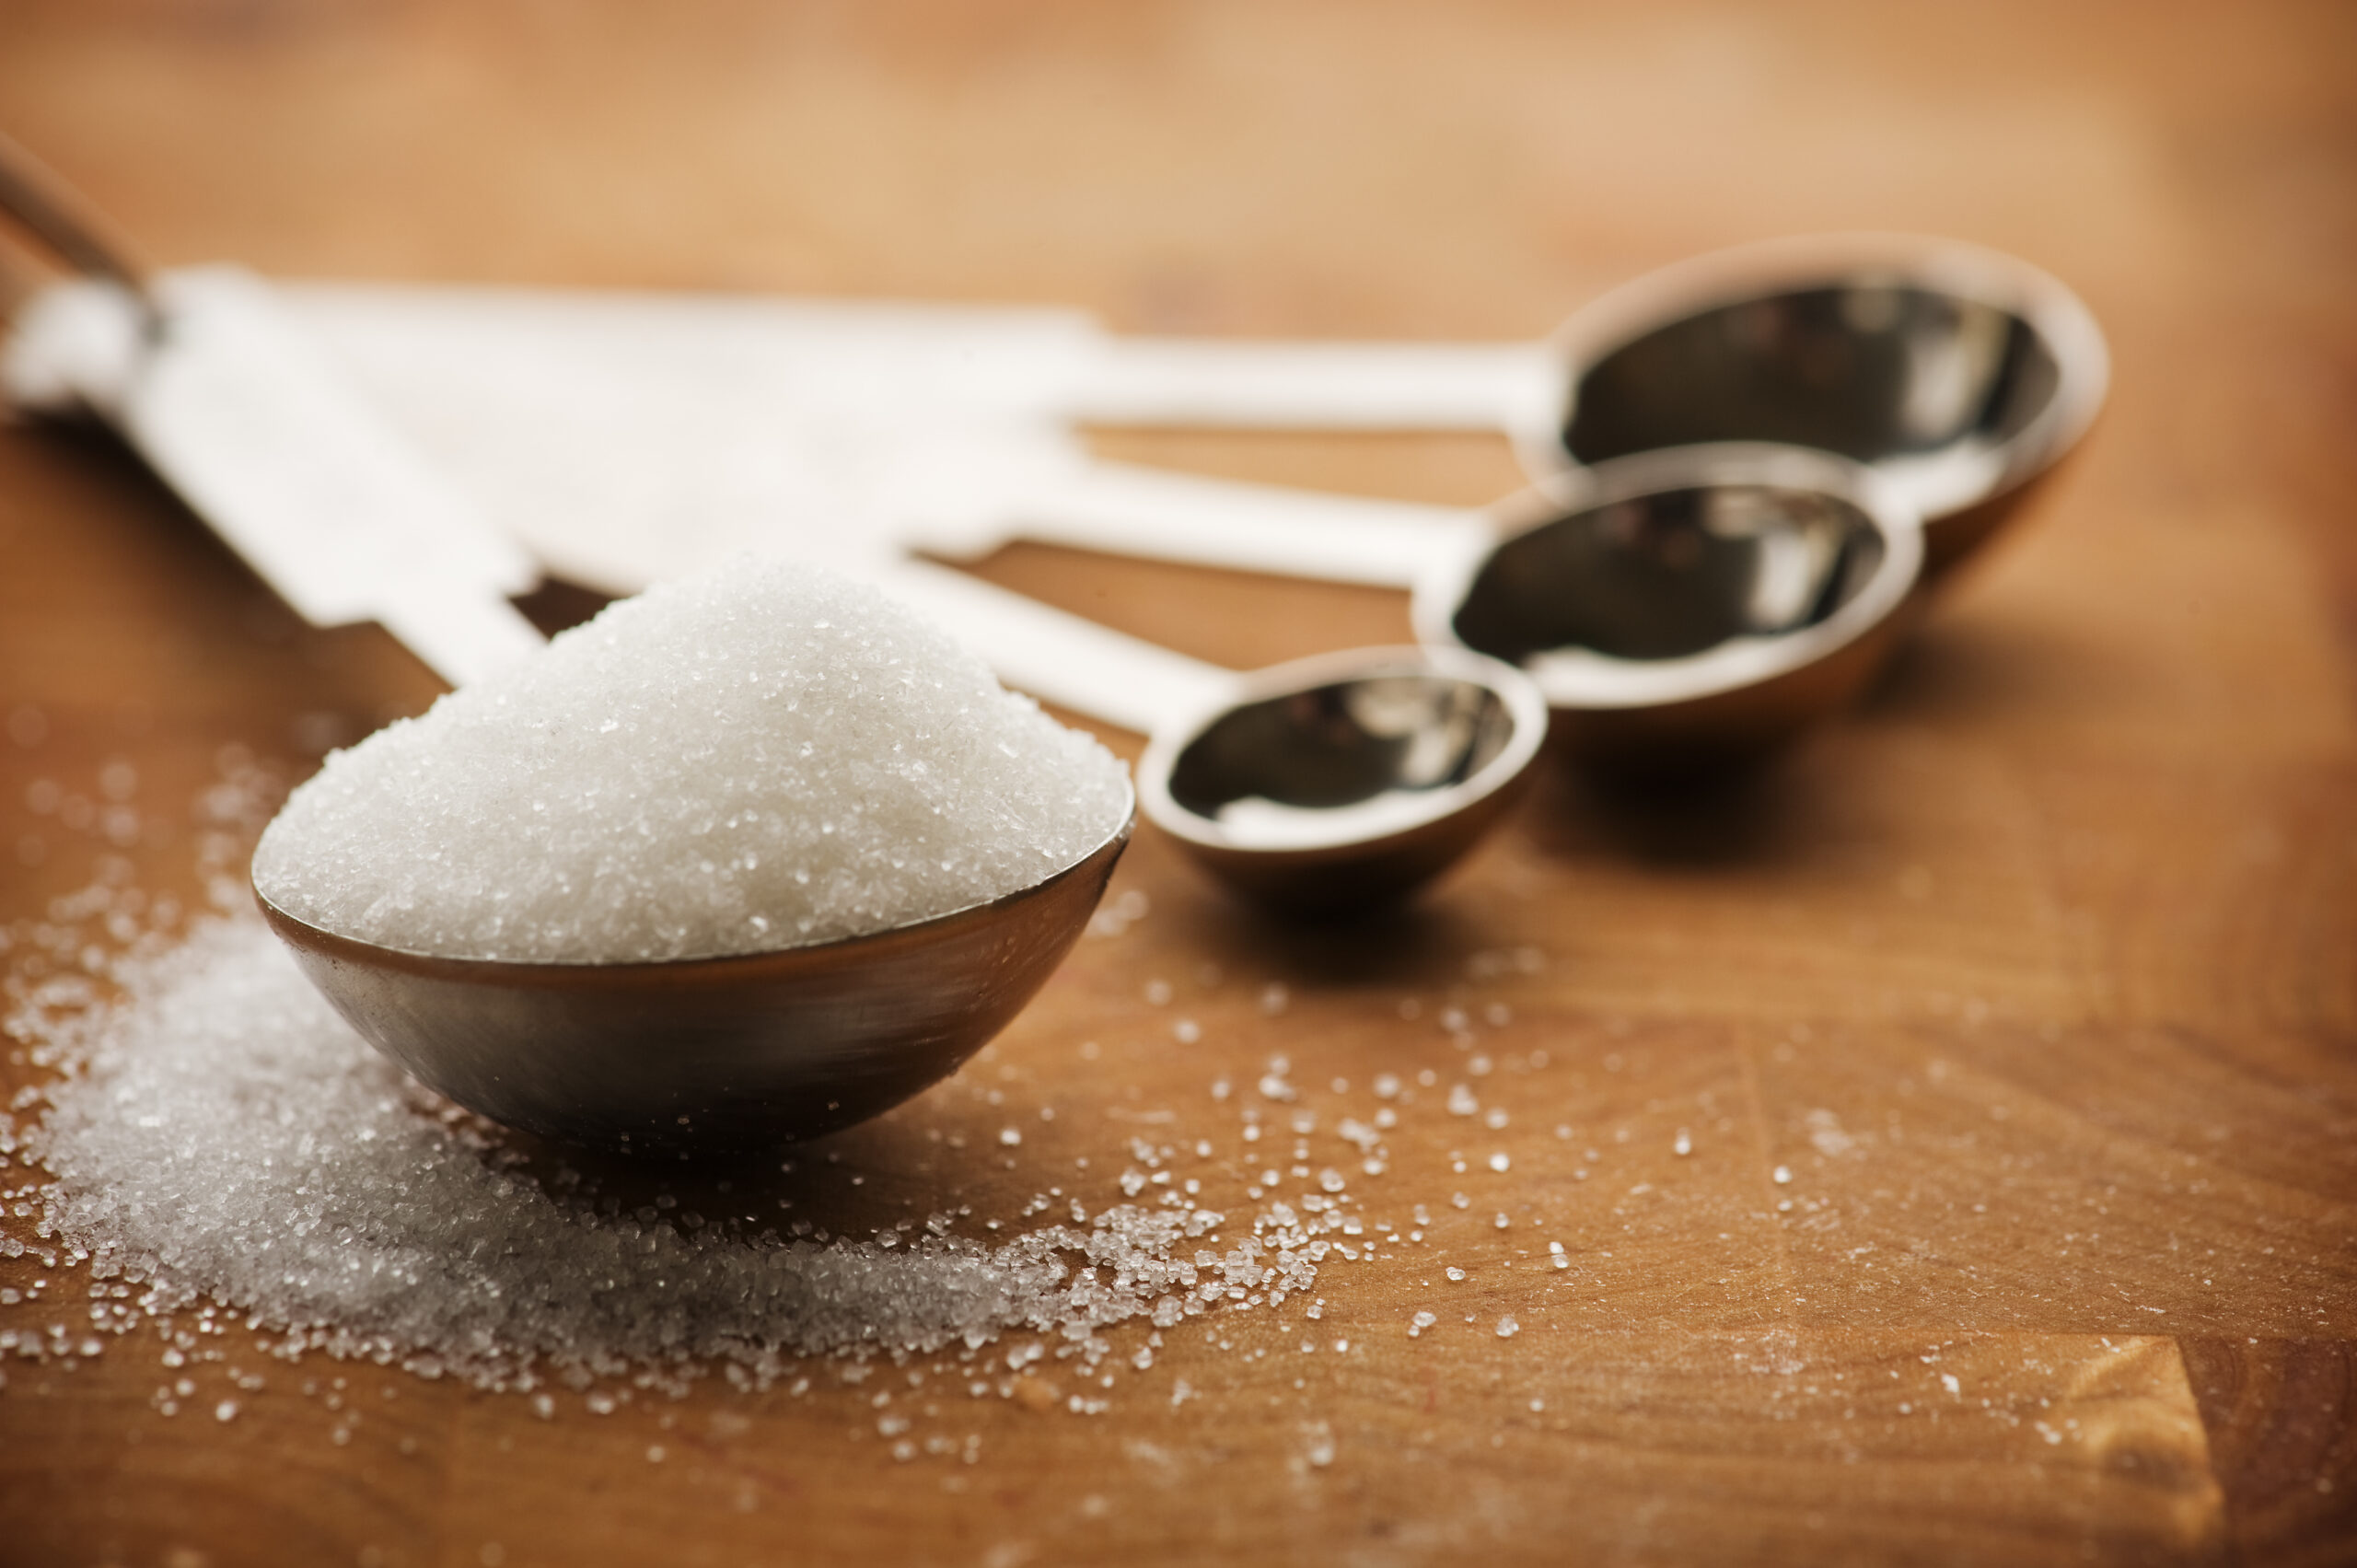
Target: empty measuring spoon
1676,608
1324,783
1686,607
1958,373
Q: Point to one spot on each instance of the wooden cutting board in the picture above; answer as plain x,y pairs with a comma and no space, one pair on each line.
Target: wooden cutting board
1952,1132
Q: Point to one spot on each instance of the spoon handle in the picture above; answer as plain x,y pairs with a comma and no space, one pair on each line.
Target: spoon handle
1126,509
1319,386
233,410
1063,659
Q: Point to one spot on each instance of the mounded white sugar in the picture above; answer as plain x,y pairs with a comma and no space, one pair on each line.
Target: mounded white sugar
222,1133
768,756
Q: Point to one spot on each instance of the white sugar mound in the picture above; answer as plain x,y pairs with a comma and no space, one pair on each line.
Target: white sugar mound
221,1133
764,757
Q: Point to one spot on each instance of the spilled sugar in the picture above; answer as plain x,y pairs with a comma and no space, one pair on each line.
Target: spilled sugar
214,1138
223,1134
220,1148
763,757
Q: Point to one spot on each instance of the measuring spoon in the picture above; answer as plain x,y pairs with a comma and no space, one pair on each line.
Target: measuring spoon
739,1051
1678,609
1960,374
1686,608
1320,784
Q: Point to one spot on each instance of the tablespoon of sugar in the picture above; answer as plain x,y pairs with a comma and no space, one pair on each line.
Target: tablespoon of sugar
737,1052
742,1050
1331,782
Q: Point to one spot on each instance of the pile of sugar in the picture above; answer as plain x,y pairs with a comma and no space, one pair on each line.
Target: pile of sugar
764,757
208,1145
220,1134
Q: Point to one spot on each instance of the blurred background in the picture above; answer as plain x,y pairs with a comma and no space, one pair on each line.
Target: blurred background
1348,170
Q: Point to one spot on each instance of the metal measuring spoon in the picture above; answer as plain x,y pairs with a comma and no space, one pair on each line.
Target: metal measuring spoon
738,1051
1685,608
1676,609
1324,783
1959,374
1367,774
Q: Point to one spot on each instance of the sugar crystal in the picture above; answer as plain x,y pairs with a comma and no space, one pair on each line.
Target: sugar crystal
768,756
223,1133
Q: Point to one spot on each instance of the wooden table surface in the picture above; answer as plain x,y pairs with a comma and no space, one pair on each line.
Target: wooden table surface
2035,974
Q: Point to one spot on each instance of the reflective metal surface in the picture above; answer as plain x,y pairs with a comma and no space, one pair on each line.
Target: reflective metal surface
741,1051
1333,782
1689,606
1960,375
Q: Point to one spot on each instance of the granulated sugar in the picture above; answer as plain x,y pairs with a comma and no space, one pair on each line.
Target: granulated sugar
767,756
214,1149
223,1134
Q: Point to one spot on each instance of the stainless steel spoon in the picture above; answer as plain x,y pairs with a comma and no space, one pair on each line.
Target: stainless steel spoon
728,1052
1675,610
1960,374
1326,783
1330,782
1687,608
740,1051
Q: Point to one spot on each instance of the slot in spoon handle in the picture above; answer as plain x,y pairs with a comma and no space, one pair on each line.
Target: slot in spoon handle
1124,509
1063,659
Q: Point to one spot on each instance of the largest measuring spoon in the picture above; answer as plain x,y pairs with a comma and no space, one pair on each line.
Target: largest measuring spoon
1960,375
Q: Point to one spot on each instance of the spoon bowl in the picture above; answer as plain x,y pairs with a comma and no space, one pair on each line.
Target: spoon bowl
1345,780
1320,784
1686,608
740,1051
1960,375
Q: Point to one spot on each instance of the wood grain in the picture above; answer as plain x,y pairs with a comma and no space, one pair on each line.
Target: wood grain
2009,1021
